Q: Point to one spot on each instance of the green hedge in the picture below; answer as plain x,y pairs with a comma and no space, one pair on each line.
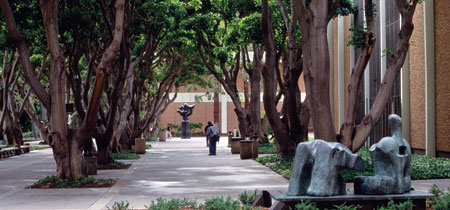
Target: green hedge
422,167
126,154
267,148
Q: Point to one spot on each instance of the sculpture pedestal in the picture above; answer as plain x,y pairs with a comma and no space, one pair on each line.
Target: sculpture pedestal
139,145
367,202
235,145
90,165
246,149
185,129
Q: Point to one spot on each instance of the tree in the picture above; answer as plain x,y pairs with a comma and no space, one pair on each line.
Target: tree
313,18
221,41
67,143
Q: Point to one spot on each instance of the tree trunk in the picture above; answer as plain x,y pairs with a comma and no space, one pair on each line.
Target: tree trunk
284,144
255,104
316,68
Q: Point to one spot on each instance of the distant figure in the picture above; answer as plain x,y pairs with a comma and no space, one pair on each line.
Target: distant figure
206,130
213,133
168,134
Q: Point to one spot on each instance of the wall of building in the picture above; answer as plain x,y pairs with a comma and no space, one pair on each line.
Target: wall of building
442,74
417,81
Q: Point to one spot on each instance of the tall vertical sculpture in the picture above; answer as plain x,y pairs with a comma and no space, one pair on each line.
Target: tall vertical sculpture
185,111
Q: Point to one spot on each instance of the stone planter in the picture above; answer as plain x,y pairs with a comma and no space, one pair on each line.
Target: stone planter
162,135
139,145
235,145
90,165
246,149
255,149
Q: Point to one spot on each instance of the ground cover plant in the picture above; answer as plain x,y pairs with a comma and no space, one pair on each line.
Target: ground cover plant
441,201
126,154
83,182
32,148
113,165
248,198
122,205
270,148
422,167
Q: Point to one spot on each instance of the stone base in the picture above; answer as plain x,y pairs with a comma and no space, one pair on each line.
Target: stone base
246,149
90,165
139,145
368,202
235,145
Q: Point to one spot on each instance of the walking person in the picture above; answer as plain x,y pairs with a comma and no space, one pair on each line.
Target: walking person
206,130
213,133
168,133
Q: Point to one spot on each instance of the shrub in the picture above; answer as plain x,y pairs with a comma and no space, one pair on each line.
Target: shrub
407,205
126,154
344,206
220,203
172,204
120,206
55,182
267,148
441,200
248,198
306,205
151,138
113,165
278,164
422,167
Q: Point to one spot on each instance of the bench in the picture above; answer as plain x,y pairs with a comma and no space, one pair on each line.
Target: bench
10,151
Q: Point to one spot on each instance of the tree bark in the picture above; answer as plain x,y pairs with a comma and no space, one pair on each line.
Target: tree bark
282,140
363,130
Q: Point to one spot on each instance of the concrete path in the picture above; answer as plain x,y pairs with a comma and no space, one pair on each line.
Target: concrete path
176,168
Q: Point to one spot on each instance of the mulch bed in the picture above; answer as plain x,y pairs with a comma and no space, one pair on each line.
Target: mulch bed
53,185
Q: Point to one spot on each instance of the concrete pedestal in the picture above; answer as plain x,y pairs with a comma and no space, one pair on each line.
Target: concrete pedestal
246,149
139,145
162,136
255,149
90,165
235,145
367,202
185,130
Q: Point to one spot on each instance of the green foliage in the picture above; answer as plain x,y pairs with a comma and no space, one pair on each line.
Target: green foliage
126,154
441,200
280,165
407,205
194,126
347,207
113,165
32,148
120,206
248,198
358,36
220,203
270,148
345,8
148,146
151,138
172,204
306,205
74,182
422,167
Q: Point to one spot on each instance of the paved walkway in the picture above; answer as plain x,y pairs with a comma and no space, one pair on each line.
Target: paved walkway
177,168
